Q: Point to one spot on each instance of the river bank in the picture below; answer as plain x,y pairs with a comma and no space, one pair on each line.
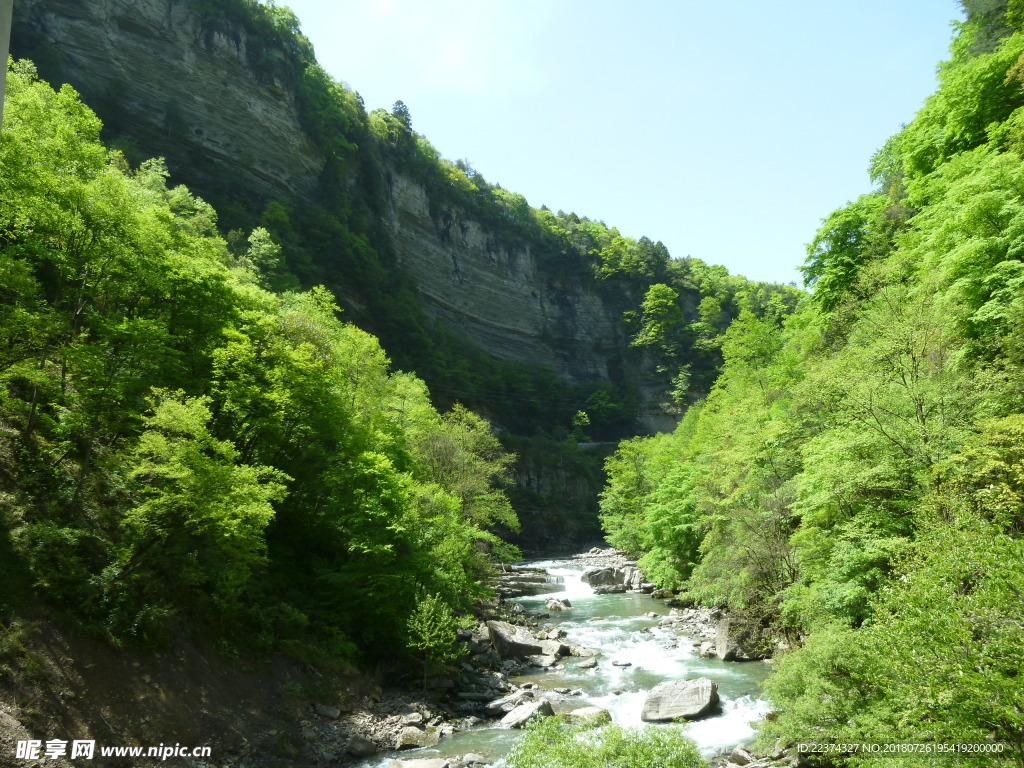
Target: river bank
596,648
603,651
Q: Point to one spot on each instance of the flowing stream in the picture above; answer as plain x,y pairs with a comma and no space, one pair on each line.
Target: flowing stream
613,624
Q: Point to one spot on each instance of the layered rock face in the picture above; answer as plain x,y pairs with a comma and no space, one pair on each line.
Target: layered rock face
179,90
495,292
185,90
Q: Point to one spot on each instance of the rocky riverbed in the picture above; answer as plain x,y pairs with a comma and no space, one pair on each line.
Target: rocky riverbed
522,663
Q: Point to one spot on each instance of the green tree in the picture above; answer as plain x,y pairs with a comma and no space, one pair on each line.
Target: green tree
661,322
201,518
432,627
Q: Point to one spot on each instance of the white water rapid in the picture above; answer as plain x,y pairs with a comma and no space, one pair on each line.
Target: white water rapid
623,629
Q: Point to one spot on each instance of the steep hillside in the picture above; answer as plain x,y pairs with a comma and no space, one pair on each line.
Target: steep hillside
853,486
230,93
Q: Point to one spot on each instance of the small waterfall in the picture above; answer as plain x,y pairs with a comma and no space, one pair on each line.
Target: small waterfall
568,578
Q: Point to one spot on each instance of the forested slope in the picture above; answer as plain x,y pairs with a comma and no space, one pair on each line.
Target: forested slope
853,483
530,321
558,329
180,446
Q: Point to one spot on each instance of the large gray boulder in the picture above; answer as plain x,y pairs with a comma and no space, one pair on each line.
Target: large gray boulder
512,642
601,577
522,714
554,648
632,577
506,704
411,738
690,699
737,643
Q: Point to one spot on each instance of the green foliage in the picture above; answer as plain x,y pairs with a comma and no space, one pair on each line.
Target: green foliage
845,241
852,482
184,443
940,663
199,524
552,743
975,92
432,627
662,322
579,421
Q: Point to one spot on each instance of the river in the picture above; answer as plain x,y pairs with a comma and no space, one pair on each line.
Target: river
615,625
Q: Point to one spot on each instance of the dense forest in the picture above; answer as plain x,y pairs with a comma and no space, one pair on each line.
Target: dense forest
181,443
675,307
667,314
852,484
194,434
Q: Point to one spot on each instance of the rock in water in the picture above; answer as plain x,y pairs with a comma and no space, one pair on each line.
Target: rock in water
522,714
506,704
600,577
554,604
512,642
554,648
410,738
691,699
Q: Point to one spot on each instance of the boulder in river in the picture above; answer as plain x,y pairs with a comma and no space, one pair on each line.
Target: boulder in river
690,699
554,604
611,589
543,661
522,714
506,704
411,738
512,642
554,648
631,577
601,577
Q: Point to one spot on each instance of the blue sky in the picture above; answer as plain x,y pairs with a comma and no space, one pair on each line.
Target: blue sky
727,131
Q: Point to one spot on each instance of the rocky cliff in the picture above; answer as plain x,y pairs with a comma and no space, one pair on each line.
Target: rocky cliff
494,292
175,83
179,88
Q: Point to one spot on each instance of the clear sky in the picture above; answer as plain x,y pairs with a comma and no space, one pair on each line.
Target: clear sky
727,131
